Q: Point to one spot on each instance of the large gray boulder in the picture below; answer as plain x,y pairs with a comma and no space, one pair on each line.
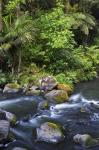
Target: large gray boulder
50,132
47,83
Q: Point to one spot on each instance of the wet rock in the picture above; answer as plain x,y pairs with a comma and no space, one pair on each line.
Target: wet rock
11,88
43,105
57,96
8,116
4,129
85,140
47,83
33,91
50,132
0,90
2,115
18,148
64,87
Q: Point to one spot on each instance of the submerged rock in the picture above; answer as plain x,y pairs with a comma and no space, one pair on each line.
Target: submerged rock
4,129
47,83
85,140
64,87
57,96
50,132
11,88
18,148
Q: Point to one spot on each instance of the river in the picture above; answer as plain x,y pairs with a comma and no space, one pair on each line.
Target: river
79,115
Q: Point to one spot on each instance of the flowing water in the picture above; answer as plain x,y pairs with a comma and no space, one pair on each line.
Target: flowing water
79,115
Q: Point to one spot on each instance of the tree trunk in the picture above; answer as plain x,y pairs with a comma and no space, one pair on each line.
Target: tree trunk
20,60
66,6
1,21
18,10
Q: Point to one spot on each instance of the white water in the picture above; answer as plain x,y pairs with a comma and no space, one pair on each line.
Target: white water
76,102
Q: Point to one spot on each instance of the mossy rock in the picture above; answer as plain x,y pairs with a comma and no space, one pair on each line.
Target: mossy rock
85,140
13,85
33,92
64,87
11,118
50,132
57,96
11,88
43,105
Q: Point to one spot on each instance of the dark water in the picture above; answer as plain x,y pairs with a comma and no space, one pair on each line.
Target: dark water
79,115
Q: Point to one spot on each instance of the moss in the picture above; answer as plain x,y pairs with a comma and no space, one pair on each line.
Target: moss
61,97
55,126
44,105
90,142
13,85
65,87
33,92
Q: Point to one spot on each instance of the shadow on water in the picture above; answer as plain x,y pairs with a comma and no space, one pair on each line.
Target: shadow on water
79,115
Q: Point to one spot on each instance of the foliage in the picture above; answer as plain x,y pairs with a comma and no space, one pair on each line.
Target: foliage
49,37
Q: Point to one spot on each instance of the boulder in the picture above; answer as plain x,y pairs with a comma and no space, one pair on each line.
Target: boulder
85,140
33,91
11,88
4,129
64,87
7,116
10,117
57,96
2,115
47,83
50,132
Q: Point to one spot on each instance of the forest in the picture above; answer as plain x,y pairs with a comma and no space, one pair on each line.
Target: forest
54,37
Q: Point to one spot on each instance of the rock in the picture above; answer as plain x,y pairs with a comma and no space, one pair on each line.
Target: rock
64,87
85,140
18,148
2,115
33,91
43,105
4,129
57,96
0,90
47,83
8,116
50,132
11,88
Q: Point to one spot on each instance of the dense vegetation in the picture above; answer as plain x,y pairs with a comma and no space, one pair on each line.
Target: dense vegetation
58,37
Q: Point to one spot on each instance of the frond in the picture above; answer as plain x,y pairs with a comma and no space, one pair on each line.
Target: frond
85,29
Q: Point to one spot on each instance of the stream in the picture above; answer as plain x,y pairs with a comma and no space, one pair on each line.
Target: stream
79,115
